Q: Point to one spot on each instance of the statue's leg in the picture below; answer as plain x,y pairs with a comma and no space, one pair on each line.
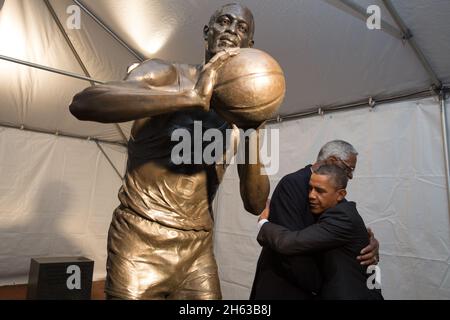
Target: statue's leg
138,265
110,297
202,280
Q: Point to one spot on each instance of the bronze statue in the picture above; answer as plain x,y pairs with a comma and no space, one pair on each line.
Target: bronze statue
160,243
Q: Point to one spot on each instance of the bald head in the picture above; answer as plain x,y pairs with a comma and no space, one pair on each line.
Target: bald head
237,9
231,26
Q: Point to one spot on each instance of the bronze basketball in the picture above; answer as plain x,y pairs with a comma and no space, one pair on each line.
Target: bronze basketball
250,88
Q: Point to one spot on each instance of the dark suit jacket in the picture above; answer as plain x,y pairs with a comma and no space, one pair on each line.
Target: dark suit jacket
339,235
288,277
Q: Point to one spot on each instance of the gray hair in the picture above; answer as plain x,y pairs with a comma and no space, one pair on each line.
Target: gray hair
338,148
337,175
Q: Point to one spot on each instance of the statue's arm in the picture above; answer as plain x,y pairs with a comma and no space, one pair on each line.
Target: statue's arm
142,94
254,183
134,98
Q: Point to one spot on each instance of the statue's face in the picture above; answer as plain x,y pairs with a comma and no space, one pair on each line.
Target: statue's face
231,28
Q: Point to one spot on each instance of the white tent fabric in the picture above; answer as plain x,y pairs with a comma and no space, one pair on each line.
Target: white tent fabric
399,187
57,194
38,99
311,40
329,56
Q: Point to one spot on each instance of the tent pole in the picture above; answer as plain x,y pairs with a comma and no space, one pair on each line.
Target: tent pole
353,105
409,38
360,13
77,56
445,136
109,160
66,37
61,134
45,68
137,55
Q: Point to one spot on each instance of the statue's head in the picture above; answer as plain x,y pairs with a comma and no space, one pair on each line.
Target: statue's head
230,26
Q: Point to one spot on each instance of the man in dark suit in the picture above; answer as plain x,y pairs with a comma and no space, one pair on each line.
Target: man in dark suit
298,277
338,236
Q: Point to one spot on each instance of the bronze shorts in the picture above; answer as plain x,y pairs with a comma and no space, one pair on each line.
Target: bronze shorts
147,260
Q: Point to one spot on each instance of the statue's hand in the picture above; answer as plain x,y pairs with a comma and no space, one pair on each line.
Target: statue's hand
205,84
266,212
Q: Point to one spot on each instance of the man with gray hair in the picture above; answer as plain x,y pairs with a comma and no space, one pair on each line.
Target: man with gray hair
337,237
298,277
340,153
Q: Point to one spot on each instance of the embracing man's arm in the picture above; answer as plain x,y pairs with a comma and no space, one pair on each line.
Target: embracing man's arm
333,230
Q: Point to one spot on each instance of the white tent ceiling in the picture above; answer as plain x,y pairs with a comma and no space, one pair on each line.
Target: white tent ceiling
328,54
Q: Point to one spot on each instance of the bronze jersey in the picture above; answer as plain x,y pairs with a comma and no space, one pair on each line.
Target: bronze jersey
177,196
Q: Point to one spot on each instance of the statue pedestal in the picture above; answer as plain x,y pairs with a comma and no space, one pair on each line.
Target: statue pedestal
60,278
